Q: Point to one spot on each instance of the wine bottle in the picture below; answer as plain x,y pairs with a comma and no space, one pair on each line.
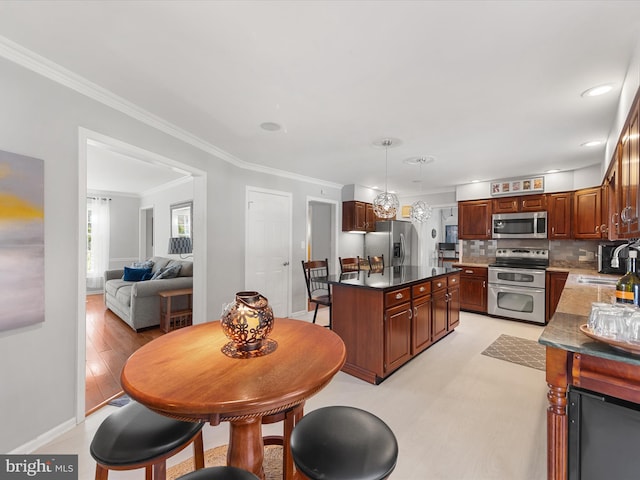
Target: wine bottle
628,286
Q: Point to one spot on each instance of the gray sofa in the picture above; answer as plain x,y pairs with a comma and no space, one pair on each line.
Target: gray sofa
138,303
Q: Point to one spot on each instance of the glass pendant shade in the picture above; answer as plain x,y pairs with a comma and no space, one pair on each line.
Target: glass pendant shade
420,212
386,205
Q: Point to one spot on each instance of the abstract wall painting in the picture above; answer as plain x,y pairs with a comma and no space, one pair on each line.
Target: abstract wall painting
21,241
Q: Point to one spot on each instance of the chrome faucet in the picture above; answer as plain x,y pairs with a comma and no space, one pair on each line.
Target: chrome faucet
632,244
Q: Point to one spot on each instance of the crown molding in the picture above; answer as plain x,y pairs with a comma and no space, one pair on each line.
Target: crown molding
32,61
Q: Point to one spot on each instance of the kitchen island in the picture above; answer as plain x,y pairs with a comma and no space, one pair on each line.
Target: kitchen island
385,319
575,361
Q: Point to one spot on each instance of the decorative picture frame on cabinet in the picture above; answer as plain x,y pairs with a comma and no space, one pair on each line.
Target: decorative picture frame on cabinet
511,187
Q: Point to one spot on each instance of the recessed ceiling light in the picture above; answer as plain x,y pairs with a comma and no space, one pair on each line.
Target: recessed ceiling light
595,91
593,143
475,181
270,126
555,170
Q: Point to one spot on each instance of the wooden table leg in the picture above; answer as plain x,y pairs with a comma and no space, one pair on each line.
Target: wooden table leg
246,449
557,378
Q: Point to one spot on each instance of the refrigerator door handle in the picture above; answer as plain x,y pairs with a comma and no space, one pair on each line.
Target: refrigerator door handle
402,249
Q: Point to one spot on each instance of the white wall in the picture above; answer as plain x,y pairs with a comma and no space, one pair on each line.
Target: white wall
627,94
42,118
161,202
590,176
124,229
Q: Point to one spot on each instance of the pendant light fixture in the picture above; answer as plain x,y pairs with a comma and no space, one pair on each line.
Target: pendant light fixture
386,204
420,210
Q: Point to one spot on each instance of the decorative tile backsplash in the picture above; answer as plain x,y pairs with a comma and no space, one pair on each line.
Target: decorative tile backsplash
562,253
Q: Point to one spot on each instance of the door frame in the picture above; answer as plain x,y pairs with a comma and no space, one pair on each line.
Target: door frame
199,253
335,211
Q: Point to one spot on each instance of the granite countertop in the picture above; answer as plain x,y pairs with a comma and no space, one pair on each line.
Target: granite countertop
391,277
563,331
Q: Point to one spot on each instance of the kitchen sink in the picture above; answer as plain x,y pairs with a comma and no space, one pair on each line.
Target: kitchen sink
593,280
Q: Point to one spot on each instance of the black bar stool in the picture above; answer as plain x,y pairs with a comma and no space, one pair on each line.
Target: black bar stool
136,437
343,443
219,473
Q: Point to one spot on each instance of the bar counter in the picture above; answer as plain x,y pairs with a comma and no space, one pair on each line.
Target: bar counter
575,360
385,319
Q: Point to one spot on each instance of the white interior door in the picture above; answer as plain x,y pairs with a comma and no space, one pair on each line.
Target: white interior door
268,247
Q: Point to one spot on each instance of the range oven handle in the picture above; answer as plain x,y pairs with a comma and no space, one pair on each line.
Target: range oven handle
508,289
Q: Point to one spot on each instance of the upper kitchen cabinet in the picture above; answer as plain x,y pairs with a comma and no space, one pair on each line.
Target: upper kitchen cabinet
559,215
474,220
629,159
524,203
610,214
587,214
358,216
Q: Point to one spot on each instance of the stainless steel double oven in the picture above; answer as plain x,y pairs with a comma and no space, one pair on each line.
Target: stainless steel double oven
517,284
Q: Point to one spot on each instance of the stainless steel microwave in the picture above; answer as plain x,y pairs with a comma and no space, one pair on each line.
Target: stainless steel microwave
519,225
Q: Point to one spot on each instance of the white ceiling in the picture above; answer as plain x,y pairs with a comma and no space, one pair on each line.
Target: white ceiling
490,89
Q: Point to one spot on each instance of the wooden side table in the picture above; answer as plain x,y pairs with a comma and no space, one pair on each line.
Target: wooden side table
169,319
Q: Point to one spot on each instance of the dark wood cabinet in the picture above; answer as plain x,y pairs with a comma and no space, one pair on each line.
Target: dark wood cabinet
522,203
473,288
555,282
445,305
397,334
384,328
358,217
453,306
559,215
474,220
587,214
422,317
629,159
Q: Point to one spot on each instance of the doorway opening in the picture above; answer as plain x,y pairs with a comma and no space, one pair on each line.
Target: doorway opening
322,234
144,246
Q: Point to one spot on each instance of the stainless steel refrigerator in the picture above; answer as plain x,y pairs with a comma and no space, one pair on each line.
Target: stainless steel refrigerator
396,240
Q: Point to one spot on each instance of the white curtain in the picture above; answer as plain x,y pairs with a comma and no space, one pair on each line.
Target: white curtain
98,226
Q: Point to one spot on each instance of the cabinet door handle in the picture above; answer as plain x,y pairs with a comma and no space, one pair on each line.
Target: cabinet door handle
484,284
410,314
439,284
597,228
470,272
415,311
399,296
603,228
422,289
553,230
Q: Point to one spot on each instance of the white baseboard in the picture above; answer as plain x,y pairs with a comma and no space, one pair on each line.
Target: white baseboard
45,438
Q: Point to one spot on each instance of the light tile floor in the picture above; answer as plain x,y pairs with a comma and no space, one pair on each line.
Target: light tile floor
457,414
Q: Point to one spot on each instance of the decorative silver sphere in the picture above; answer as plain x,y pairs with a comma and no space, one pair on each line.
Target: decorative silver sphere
386,205
420,212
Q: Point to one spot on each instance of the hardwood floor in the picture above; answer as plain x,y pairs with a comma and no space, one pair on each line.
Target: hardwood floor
110,342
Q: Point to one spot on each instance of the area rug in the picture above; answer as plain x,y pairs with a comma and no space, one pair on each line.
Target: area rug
218,456
120,401
518,350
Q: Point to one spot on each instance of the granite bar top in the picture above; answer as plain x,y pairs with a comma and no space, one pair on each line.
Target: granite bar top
390,277
563,331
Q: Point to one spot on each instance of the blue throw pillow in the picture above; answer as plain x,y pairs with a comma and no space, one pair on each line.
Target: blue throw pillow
135,274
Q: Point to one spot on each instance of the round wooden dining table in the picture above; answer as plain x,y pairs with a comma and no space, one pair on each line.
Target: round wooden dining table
185,375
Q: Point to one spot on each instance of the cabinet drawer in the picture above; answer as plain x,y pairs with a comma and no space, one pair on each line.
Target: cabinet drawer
397,297
453,280
473,272
439,284
421,289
